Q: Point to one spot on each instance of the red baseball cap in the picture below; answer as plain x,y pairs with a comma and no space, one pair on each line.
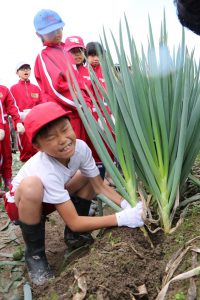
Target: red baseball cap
74,42
41,115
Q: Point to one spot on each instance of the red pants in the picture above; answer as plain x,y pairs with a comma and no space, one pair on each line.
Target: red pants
6,168
26,149
78,126
95,155
12,209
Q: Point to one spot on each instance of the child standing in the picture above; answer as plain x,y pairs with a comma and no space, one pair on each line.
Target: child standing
2,135
27,95
62,176
75,46
9,108
52,65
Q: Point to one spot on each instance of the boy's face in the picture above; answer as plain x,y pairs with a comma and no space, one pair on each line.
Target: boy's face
54,37
93,60
58,142
24,73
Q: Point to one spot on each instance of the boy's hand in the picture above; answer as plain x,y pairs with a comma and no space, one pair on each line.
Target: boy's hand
2,134
125,204
20,128
130,217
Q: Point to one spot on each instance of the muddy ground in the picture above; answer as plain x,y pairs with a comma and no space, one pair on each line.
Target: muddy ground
120,265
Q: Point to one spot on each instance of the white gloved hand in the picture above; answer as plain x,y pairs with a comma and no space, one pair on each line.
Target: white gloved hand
130,217
20,128
125,204
2,134
24,113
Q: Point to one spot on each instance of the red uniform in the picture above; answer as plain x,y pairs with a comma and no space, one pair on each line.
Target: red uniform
27,95
9,108
2,125
51,67
84,72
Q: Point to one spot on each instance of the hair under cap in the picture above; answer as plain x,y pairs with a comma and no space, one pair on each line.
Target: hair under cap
40,115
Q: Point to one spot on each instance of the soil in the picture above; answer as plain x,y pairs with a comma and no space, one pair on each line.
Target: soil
120,265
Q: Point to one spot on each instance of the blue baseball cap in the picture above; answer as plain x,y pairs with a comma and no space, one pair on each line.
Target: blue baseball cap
46,21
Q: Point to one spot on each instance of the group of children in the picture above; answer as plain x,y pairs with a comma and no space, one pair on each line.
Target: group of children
15,103
65,174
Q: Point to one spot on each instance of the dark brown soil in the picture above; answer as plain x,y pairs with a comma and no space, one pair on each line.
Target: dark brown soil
115,267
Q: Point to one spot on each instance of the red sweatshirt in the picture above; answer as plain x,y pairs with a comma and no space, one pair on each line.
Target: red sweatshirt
9,105
26,94
51,67
2,120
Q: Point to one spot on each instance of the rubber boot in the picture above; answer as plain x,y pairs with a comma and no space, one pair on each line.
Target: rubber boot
34,237
75,240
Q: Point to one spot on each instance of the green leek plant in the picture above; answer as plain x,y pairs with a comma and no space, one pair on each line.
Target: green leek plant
155,101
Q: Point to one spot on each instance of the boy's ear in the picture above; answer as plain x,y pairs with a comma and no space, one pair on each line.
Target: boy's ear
37,146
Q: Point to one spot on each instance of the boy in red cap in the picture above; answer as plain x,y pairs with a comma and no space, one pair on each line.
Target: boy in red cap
61,176
52,65
27,95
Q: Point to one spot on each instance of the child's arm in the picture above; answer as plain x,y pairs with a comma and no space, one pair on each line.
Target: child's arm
130,217
78,223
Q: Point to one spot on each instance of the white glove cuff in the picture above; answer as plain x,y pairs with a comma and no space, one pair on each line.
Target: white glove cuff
120,219
20,128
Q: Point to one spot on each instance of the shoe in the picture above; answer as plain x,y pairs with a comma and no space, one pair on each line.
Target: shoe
75,240
93,209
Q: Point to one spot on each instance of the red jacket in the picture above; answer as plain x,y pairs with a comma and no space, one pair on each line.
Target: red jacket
26,94
51,67
2,120
99,74
84,73
9,104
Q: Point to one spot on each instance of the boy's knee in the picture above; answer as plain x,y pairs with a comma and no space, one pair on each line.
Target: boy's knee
30,188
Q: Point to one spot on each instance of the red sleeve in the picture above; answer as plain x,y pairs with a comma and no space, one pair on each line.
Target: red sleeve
2,120
11,107
52,79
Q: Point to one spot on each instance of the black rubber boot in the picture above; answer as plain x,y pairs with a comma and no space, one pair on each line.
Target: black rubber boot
75,240
35,257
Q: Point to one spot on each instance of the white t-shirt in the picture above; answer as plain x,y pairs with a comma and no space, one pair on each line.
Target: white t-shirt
55,175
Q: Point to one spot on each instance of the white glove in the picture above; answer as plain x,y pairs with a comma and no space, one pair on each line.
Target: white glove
24,113
20,128
130,217
2,134
125,204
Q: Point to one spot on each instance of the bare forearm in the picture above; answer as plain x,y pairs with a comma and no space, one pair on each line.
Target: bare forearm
82,223
92,223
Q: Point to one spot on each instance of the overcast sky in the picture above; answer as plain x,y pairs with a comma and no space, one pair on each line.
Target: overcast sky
83,18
